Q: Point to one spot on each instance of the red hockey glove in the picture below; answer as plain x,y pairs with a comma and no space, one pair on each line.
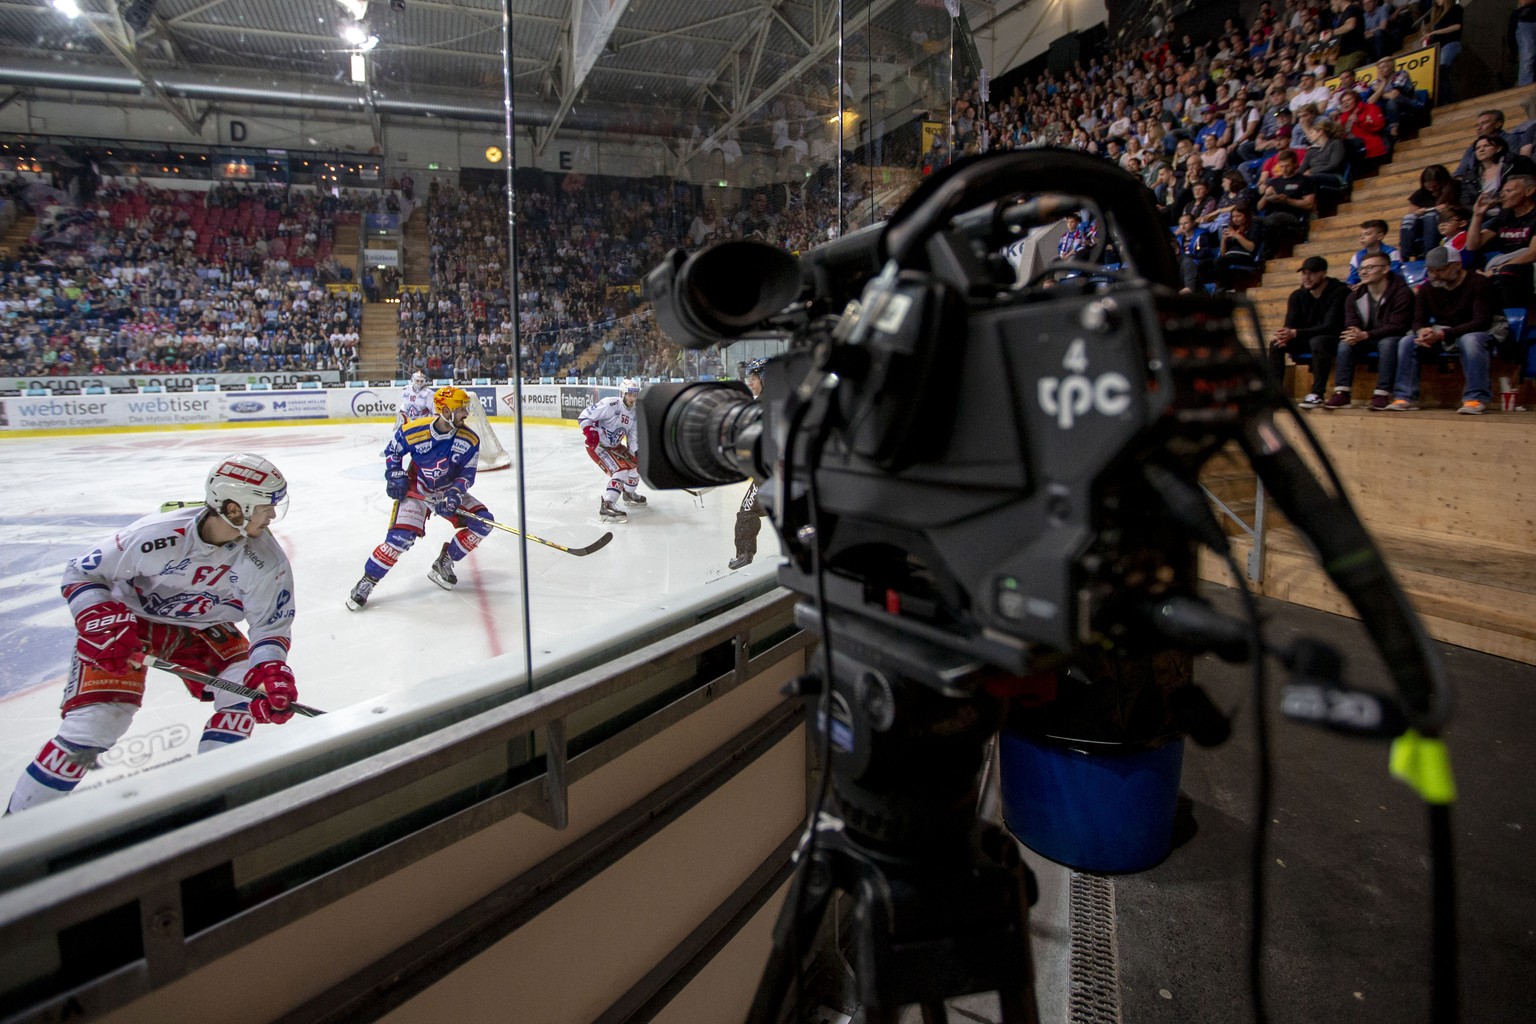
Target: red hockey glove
594,440
275,680
109,636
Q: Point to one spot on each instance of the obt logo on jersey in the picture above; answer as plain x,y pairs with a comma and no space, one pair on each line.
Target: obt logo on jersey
1071,397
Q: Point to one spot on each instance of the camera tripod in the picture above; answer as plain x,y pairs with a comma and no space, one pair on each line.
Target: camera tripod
941,900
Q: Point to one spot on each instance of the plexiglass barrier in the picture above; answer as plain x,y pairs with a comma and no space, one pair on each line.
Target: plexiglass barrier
244,227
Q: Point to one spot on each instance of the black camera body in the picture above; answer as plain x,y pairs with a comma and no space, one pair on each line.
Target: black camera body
978,450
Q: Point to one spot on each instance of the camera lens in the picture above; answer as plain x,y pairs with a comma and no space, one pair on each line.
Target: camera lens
710,433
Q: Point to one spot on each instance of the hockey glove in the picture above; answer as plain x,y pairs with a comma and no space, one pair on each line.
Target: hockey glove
395,483
275,680
594,440
109,636
448,503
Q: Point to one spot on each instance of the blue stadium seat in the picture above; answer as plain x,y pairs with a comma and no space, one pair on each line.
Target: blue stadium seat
1413,273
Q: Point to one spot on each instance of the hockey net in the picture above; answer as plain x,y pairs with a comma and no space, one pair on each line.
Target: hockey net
492,455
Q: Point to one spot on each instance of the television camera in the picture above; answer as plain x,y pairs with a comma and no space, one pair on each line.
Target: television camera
977,482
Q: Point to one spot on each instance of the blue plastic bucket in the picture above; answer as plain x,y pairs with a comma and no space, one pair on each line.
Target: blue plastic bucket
1108,810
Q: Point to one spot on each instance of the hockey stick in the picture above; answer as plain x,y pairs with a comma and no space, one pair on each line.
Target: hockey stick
224,684
596,545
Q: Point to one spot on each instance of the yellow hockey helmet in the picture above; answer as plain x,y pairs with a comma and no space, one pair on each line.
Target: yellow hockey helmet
449,400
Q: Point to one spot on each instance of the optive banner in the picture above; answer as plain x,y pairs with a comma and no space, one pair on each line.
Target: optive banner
365,403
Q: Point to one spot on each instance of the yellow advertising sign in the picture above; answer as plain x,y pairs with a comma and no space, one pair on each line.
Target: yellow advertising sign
932,132
1420,65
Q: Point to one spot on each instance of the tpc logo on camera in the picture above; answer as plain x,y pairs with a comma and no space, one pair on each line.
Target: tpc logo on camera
1068,398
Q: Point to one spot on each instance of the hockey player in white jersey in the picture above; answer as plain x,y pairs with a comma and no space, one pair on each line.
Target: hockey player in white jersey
608,425
172,586
415,399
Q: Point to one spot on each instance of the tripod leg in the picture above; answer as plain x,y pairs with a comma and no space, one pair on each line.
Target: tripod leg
793,934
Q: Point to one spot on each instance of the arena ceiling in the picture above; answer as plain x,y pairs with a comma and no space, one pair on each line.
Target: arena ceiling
443,58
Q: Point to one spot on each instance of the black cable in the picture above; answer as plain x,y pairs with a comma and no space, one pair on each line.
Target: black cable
1445,988
1444,946
1262,791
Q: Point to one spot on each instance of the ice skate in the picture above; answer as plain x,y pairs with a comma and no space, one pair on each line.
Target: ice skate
359,596
634,498
441,572
609,514
739,561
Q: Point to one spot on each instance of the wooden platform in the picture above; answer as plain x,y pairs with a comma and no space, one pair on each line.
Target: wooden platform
1452,502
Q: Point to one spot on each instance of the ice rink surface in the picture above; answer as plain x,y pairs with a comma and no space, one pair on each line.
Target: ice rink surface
65,494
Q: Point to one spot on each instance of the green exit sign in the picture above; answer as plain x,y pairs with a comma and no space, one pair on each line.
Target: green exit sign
433,167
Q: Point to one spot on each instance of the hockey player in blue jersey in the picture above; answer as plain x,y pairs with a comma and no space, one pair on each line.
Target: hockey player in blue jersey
441,452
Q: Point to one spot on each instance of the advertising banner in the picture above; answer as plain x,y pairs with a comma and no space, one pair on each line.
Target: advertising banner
381,257
364,403
540,401
137,410
60,412
277,405
78,385
574,399
169,410
487,398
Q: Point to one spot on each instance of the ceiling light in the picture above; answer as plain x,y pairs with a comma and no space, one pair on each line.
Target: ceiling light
359,68
354,34
69,7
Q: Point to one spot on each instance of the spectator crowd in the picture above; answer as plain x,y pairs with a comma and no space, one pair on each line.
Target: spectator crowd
145,280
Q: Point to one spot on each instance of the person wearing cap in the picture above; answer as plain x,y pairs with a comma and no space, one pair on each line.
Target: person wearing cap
1310,90
1314,319
1274,137
1378,312
1394,92
1212,126
1452,313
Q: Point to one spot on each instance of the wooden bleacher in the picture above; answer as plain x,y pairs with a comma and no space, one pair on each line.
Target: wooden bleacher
1451,499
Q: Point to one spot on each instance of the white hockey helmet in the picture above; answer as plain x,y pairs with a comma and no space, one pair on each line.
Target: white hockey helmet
249,481
629,386
418,379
